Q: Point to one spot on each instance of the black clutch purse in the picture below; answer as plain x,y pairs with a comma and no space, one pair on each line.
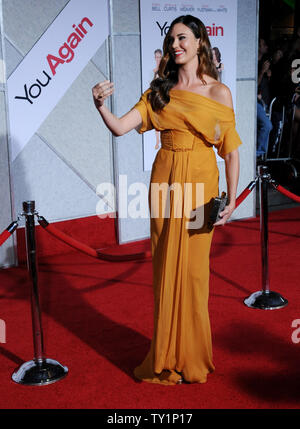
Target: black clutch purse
217,206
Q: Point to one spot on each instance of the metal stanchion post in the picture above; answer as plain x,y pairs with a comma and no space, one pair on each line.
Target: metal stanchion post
39,371
264,299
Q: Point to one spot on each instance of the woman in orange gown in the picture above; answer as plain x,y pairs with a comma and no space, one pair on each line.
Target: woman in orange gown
193,112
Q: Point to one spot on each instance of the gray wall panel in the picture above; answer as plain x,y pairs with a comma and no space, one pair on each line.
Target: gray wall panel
127,73
126,16
2,64
129,148
1,53
7,250
25,21
246,39
76,132
12,58
247,45
100,60
7,256
41,176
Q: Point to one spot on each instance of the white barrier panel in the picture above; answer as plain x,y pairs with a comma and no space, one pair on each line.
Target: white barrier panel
52,65
220,20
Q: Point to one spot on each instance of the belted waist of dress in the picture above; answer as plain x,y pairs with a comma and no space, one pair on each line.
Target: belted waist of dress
180,141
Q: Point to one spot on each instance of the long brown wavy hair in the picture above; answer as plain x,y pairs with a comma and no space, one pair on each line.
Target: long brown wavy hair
168,70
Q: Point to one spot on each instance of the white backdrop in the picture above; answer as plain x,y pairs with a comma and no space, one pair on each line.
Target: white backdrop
52,65
221,24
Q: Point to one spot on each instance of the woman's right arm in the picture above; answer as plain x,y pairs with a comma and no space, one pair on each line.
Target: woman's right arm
118,126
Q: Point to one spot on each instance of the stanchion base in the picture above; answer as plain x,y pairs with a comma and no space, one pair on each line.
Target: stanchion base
266,300
35,373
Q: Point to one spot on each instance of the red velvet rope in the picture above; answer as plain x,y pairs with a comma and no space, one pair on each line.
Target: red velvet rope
71,241
8,232
111,257
123,258
89,250
245,193
287,193
4,236
242,196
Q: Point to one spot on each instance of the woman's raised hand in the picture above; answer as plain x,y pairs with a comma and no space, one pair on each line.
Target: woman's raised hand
101,91
118,126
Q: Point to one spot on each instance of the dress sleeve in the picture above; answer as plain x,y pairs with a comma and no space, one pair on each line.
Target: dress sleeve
143,106
230,141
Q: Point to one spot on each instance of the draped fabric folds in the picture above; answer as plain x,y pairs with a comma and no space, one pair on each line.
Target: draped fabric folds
190,126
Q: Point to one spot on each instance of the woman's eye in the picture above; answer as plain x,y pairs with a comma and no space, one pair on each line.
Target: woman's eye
181,37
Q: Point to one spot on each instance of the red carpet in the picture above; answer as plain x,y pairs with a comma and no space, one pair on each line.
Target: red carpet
97,320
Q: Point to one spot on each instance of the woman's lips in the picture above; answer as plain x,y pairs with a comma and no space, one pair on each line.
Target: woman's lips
177,53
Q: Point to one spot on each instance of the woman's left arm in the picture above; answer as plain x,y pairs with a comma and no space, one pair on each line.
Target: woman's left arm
232,169
232,160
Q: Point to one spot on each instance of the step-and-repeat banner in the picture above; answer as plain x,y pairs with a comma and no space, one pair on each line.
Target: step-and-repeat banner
52,65
220,20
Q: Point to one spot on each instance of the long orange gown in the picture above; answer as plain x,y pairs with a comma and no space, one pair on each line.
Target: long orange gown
190,125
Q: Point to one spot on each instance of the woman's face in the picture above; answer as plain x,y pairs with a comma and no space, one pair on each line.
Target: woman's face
184,45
